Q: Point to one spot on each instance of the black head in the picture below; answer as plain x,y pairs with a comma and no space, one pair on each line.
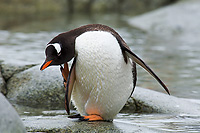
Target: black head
59,50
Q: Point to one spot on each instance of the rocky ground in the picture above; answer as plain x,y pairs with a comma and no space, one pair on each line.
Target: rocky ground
26,84
145,101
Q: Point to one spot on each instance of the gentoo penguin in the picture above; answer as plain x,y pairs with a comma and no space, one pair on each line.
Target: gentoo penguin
103,73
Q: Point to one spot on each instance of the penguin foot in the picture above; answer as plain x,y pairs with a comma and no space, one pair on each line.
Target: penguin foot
86,118
75,116
91,118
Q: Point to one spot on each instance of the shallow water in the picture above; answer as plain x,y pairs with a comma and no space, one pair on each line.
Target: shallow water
163,122
177,64
159,122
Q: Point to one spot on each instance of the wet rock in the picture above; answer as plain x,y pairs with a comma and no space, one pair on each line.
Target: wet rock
2,84
179,21
10,121
8,70
162,106
62,124
152,101
35,87
130,105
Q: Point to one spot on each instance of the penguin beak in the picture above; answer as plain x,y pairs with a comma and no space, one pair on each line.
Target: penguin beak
45,65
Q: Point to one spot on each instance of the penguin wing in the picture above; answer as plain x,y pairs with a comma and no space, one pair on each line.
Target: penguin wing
70,83
126,51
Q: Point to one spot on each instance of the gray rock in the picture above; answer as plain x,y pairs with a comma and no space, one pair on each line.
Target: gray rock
130,106
179,21
2,84
10,121
60,123
152,101
164,110
8,70
35,87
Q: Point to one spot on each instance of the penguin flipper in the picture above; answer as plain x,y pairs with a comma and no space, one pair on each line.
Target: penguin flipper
139,61
70,83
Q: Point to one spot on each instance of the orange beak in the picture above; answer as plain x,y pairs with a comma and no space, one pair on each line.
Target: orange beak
45,65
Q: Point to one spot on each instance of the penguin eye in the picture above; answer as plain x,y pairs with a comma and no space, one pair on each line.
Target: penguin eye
57,48
59,53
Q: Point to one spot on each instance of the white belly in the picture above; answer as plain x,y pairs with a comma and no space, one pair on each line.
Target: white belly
103,80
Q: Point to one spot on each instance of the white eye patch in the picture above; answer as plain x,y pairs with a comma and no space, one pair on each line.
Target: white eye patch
56,46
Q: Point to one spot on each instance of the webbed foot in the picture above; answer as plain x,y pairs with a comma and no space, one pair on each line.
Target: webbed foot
91,118
87,118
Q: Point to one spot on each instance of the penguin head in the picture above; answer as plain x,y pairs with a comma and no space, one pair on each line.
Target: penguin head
58,51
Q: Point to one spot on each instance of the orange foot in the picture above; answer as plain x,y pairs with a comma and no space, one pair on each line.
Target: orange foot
87,118
91,118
